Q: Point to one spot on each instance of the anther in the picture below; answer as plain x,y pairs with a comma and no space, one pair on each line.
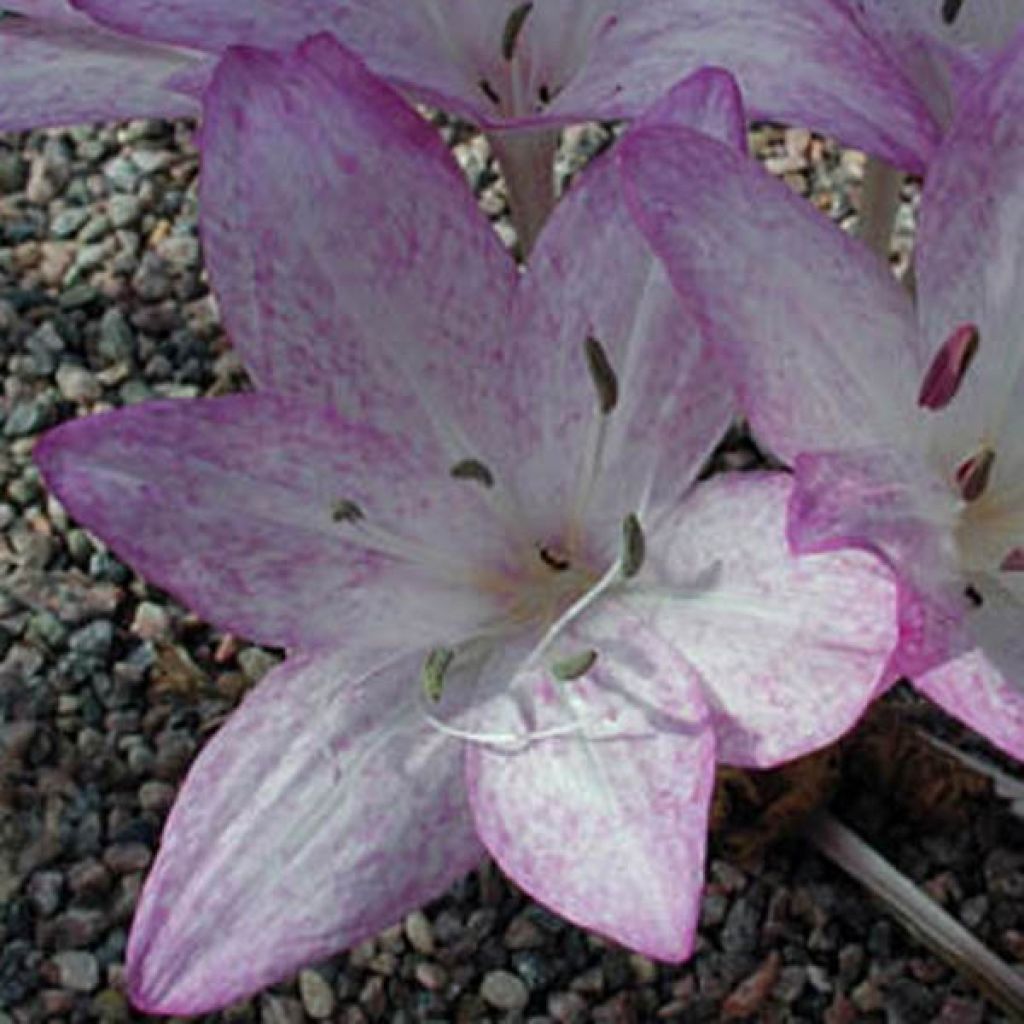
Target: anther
489,91
1014,561
634,546
972,476
513,27
973,595
574,666
433,672
949,367
951,10
473,469
346,511
544,94
554,559
601,373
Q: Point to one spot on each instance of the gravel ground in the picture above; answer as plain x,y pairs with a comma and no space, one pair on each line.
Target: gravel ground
108,688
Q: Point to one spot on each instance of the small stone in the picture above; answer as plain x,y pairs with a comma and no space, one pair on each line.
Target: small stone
748,997
156,796
523,933
419,933
432,976
109,1006
567,1007
124,858
67,222
89,879
29,417
77,384
151,622
117,342
256,663
122,173
93,640
76,970
504,991
281,1010
13,172
44,889
123,210
317,996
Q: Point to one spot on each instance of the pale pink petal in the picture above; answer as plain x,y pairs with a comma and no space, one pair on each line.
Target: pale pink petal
593,276
970,255
324,811
53,11
606,827
972,689
54,74
799,61
389,303
821,336
790,648
229,504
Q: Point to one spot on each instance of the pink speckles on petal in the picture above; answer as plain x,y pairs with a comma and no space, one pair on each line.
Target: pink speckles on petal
324,811
946,373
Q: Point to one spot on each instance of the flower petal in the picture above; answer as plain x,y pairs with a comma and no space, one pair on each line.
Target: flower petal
229,504
322,812
389,303
52,74
790,648
972,689
801,61
609,832
970,255
53,11
821,335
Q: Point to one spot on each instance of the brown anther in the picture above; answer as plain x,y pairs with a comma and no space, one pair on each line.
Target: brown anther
346,511
489,91
574,666
634,546
973,595
554,559
513,27
951,10
972,476
1014,561
601,373
473,469
949,367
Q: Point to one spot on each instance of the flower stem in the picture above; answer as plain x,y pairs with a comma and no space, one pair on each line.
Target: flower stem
919,914
880,199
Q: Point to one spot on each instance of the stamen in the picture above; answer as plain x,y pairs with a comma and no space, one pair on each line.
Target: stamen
513,27
634,546
949,367
473,469
1014,561
574,666
973,595
605,382
951,10
434,669
554,559
346,511
972,476
489,91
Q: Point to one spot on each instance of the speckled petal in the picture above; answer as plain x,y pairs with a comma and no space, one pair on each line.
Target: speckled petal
609,832
389,303
821,336
228,504
324,811
790,648
56,73
800,61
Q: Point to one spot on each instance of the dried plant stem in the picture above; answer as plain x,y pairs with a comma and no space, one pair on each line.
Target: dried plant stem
880,199
919,914
1006,786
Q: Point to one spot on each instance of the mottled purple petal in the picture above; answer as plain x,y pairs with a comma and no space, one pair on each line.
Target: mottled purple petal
799,61
54,74
229,504
790,648
821,335
390,303
608,831
324,811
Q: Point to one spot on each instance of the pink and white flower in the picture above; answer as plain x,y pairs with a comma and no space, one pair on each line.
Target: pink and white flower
464,499
904,425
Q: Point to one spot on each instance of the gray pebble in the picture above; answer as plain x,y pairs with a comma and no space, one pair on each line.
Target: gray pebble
317,996
77,970
77,384
504,991
124,210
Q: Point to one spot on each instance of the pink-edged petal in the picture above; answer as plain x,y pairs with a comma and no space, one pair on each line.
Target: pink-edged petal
821,336
709,102
321,813
607,827
800,61
229,504
57,73
972,689
970,255
592,275
389,303
790,648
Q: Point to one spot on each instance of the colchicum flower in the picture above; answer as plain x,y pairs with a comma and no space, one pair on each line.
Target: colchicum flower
522,70
463,500
905,427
